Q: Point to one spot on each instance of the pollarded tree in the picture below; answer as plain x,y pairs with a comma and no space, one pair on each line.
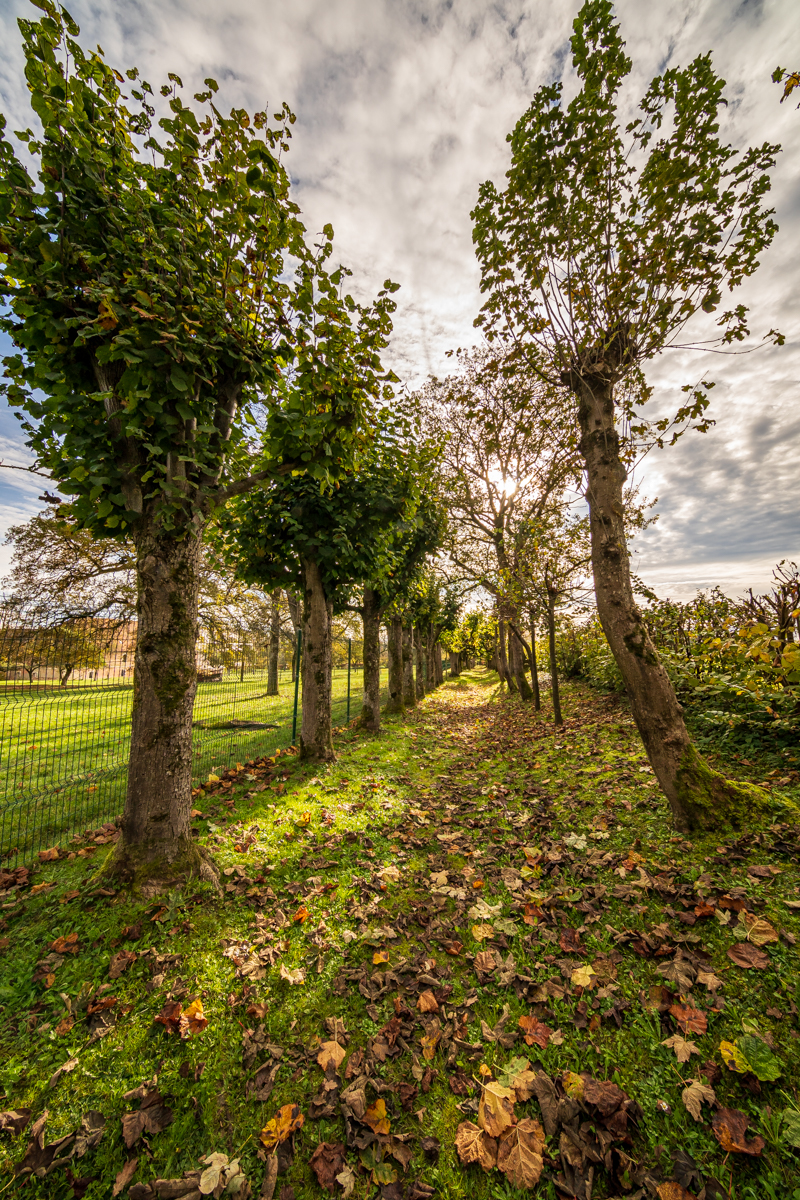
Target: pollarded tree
604,243
323,542
149,289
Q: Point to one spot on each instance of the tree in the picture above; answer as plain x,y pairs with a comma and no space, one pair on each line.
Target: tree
506,455
594,257
325,541
169,358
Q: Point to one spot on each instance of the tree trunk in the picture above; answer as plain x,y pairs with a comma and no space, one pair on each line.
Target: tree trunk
537,697
293,604
274,645
438,669
409,692
455,664
517,663
371,709
430,680
504,672
316,737
420,663
155,849
394,704
699,797
551,635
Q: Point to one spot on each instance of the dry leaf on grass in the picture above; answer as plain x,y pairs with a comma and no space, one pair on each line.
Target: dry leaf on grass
688,1018
496,1110
286,1121
519,1154
583,977
120,963
376,1117
535,1031
327,1162
693,1096
683,1048
125,1176
746,955
756,929
427,1002
474,1145
294,977
331,1054
673,1191
728,1126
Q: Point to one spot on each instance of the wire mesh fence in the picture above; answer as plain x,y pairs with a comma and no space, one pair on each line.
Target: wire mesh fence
66,691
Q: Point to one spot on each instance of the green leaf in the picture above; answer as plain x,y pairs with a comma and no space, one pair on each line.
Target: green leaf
761,1060
790,1128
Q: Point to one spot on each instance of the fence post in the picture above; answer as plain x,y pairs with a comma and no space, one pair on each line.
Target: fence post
296,686
349,656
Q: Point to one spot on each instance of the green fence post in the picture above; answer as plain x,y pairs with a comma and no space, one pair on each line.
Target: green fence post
349,655
296,686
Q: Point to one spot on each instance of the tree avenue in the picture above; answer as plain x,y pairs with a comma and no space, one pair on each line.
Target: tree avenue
594,257
178,345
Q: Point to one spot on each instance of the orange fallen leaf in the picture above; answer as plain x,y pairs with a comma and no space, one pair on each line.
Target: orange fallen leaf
66,945
380,956
302,914
427,1002
376,1117
193,1020
286,1121
535,1031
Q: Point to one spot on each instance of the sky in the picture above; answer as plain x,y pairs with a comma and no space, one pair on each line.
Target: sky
403,107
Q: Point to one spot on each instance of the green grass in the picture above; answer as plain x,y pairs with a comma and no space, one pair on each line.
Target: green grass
64,752
471,761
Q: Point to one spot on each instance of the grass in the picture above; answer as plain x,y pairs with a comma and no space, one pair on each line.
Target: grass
65,751
463,785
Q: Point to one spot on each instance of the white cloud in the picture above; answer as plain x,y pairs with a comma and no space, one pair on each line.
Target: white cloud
403,107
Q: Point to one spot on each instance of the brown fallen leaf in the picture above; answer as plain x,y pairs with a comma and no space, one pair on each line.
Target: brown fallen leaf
673,1191
331,1054
427,1002
64,1026
519,1154
170,1016
688,1018
152,1116
286,1121
693,1096
474,1145
65,945
293,977
745,955
496,1109
570,941
376,1117
120,963
728,1126
683,1049
14,1120
429,1042
756,929
327,1162
101,1005
535,1031
709,980
258,1010
48,855
125,1176
193,1020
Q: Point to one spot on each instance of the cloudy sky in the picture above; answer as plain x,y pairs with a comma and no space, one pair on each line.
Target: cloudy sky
403,107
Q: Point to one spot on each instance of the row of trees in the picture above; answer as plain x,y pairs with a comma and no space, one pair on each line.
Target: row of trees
193,373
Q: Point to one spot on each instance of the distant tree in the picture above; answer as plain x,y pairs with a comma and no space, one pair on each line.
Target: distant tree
602,246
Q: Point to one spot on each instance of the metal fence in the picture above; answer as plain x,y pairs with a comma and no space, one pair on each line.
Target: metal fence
66,689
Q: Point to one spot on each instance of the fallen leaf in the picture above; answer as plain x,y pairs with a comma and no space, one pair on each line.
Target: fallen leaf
152,1116
474,1145
683,1049
294,977
15,1119
380,956
750,1053
688,1018
756,929
427,1002
583,976
286,1121
573,1085
65,945
496,1109
376,1117
519,1154
679,971
429,1042
125,1176
193,1020
746,955
48,855
535,1031
301,915
64,1026
709,980
570,941
693,1096
347,1181
331,1054
120,963
327,1162
170,1016
482,933
728,1126
673,1191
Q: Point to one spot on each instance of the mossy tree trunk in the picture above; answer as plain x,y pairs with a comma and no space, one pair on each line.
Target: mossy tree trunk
502,655
516,655
537,696
419,655
699,797
437,664
316,735
370,717
394,704
409,691
274,645
555,690
430,668
155,849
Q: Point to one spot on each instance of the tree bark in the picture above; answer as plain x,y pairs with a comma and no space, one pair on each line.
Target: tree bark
316,736
430,676
551,635
420,663
409,691
274,645
370,717
155,849
504,672
455,664
699,797
537,697
517,663
394,704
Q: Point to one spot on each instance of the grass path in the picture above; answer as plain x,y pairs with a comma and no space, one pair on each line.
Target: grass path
469,899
